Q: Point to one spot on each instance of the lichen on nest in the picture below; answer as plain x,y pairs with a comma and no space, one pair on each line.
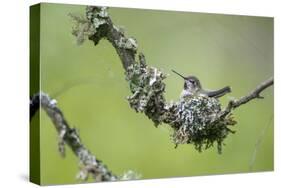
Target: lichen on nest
195,120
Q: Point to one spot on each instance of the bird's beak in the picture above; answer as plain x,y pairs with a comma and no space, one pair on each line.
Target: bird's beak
178,74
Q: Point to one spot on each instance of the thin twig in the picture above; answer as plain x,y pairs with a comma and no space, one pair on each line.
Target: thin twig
258,143
70,85
255,94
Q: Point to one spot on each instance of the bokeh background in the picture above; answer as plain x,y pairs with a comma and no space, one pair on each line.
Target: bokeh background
89,84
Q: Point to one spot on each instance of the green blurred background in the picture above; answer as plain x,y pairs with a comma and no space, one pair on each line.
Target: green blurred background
220,49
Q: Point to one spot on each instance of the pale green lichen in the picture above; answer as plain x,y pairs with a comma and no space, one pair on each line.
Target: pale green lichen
93,12
196,121
99,18
130,175
148,89
120,29
127,43
89,26
82,28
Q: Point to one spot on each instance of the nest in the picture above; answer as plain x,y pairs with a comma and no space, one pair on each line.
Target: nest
194,120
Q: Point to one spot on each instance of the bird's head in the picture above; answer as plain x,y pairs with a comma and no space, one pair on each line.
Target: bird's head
191,83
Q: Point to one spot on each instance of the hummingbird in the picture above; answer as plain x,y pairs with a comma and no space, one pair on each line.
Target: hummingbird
193,87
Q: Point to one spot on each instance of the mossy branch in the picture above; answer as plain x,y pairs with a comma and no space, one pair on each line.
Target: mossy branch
98,25
197,120
68,135
255,94
89,164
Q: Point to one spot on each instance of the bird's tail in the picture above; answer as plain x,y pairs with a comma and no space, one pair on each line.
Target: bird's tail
220,92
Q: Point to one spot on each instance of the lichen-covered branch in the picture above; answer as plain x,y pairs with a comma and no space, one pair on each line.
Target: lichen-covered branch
197,120
89,163
255,94
98,25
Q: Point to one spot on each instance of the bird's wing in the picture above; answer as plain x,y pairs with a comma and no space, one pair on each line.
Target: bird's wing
218,93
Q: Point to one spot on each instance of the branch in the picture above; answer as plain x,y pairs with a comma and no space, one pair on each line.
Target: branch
258,143
198,120
255,94
68,135
98,25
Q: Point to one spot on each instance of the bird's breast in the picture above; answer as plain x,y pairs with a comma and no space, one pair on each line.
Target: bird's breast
186,93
